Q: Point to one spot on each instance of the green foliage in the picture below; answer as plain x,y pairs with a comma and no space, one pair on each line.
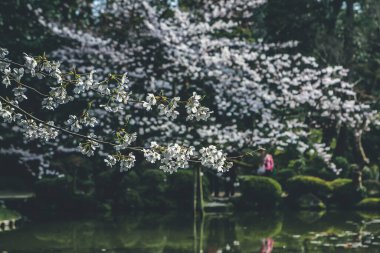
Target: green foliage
299,185
152,189
129,199
56,196
343,164
372,187
53,188
6,214
369,204
316,167
371,172
258,191
311,165
345,193
337,183
180,188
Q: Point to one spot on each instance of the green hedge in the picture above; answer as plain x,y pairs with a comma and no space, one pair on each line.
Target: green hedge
299,185
258,191
372,204
345,193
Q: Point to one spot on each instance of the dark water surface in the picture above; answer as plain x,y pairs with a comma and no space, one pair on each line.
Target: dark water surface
176,232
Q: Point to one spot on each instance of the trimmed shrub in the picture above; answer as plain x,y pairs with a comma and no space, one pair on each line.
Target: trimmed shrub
369,204
345,193
339,183
259,191
300,185
323,173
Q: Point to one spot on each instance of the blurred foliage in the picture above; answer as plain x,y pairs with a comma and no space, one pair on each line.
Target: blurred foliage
148,189
259,192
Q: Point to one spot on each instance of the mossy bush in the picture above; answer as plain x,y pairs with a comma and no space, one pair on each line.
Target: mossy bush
258,191
372,204
322,173
299,185
345,193
337,183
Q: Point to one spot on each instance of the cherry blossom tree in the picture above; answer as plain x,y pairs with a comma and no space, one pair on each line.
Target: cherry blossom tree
261,95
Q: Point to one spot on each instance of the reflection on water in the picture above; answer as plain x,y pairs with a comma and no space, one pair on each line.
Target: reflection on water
238,233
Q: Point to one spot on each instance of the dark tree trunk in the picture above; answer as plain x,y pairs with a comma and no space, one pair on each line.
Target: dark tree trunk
341,142
362,159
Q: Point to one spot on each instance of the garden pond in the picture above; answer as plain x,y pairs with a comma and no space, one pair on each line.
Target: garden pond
217,233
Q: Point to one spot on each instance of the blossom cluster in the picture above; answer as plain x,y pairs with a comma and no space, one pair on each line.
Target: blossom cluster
214,158
172,157
195,110
126,161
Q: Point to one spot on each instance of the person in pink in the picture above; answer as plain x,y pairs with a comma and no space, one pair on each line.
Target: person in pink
267,245
267,166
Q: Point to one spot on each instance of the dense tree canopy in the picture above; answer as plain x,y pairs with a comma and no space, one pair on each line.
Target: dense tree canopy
261,92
